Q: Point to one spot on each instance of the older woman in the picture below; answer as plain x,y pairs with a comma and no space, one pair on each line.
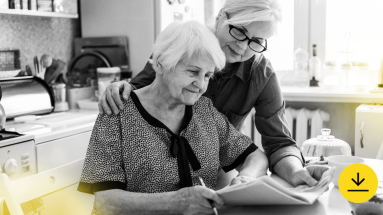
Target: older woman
247,81
148,159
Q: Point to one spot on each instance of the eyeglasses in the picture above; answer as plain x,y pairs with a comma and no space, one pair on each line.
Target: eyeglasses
256,44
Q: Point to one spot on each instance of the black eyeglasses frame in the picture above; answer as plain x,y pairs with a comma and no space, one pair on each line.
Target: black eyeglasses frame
249,39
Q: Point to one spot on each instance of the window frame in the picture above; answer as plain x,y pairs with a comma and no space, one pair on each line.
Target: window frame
310,26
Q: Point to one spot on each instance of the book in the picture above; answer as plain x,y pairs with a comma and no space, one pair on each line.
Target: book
270,190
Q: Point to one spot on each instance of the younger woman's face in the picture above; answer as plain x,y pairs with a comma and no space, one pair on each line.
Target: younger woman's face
239,51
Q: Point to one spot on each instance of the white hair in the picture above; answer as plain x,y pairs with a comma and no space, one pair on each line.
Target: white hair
245,12
180,41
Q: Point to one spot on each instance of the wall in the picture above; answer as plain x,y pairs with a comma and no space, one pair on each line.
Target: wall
134,19
35,35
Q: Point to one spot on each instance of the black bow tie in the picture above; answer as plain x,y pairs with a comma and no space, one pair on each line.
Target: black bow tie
181,149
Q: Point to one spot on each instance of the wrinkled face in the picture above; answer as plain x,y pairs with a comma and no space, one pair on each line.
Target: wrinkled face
239,51
189,80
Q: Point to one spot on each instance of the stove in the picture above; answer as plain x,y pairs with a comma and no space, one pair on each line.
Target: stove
10,137
17,154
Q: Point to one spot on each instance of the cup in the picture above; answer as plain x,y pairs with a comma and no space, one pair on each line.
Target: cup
59,91
341,162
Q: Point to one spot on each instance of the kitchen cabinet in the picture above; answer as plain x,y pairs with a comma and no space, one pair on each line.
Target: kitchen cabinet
37,13
63,8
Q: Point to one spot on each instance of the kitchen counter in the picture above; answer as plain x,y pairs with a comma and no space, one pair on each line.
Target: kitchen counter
338,95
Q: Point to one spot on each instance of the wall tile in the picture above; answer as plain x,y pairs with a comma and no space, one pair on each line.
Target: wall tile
34,35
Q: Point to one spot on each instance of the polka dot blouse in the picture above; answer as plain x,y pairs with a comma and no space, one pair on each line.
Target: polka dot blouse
134,151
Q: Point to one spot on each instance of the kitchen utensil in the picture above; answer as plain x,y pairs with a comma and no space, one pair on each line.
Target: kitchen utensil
54,70
36,64
325,145
46,60
28,70
30,118
42,63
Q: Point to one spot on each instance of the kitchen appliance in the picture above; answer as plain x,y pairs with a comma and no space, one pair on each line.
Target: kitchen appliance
368,130
26,95
47,143
139,21
325,145
11,155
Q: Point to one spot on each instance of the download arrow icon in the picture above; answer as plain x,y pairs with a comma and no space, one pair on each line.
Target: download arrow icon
357,183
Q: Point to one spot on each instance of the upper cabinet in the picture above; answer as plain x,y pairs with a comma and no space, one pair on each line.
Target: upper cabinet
46,8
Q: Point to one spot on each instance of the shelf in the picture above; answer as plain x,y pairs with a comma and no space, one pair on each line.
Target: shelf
319,94
37,13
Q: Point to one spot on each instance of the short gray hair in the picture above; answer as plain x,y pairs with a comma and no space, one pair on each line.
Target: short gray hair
180,41
244,12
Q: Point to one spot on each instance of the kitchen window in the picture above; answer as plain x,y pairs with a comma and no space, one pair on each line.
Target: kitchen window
358,25
335,26
280,50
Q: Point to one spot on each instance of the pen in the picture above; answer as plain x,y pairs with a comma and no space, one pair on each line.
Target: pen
210,201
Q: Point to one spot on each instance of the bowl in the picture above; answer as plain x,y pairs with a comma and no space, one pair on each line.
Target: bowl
9,73
341,162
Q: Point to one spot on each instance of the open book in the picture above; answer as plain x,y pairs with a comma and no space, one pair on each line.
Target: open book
269,190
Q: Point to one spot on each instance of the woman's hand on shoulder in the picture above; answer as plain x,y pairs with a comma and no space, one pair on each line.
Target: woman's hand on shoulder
194,200
111,101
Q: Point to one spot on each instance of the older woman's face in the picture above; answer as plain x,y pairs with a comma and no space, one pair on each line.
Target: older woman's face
189,80
239,51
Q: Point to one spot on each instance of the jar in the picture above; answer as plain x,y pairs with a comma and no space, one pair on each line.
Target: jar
59,91
299,77
325,145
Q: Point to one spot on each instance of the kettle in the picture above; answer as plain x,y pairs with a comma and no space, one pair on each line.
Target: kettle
325,145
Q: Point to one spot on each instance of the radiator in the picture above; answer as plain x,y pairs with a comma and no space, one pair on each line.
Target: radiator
303,124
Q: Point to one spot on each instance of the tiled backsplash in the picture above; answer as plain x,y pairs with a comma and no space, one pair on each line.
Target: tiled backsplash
35,35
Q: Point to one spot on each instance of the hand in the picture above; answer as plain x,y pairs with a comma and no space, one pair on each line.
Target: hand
111,97
194,200
240,179
309,175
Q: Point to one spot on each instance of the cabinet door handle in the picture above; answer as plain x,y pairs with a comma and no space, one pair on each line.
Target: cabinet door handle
361,134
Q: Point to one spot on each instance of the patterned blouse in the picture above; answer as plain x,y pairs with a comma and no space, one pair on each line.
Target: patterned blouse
134,151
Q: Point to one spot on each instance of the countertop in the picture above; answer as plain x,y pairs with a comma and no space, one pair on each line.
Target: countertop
339,95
